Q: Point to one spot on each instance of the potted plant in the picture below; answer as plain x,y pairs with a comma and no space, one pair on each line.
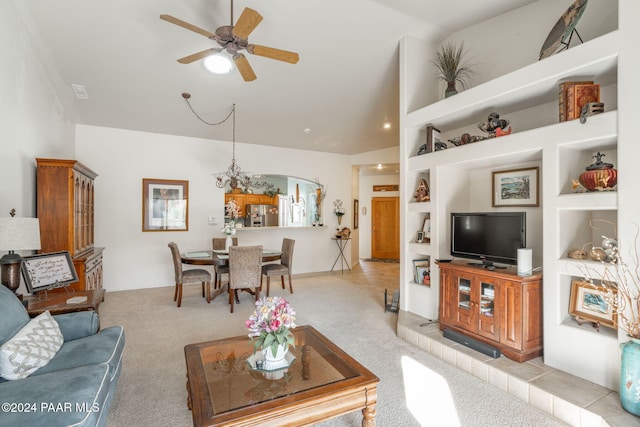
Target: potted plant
338,209
620,281
452,67
270,324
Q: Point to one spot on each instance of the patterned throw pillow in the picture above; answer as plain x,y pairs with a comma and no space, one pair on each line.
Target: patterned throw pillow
31,348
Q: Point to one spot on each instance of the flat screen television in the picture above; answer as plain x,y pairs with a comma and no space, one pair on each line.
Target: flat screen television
488,236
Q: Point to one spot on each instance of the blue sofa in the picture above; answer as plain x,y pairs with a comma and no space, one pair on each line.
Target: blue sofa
77,386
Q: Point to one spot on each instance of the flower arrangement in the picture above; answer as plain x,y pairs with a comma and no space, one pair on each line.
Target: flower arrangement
270,323
231,210
621,283
338,209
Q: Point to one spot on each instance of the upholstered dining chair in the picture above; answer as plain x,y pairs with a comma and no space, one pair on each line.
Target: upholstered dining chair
186,277
219,243
282,268
244,270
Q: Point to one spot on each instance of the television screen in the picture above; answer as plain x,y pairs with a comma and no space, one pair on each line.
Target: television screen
488,236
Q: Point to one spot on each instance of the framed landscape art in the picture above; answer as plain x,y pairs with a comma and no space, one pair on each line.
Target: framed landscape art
592,303
515,187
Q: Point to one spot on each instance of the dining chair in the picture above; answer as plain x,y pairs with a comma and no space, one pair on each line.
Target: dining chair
219,243
283,267
244,270
186,277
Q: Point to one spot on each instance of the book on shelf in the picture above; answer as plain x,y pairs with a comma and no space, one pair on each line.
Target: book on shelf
562,97
580,95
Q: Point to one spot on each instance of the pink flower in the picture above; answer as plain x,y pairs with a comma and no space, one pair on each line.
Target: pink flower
275,324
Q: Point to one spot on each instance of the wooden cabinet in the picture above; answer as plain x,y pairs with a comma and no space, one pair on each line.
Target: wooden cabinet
499,308
243,199
65,206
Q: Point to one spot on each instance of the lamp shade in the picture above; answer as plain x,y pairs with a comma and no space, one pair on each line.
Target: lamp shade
19,234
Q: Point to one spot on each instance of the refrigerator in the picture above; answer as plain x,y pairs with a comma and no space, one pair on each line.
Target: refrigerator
261,215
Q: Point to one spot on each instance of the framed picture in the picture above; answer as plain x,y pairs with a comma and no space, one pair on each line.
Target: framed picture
433,136
165,205
356,210
419,267
426,228
515,187
420,237
48,271
592,302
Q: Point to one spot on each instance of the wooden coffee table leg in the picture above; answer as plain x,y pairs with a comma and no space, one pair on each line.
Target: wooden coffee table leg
188,393
369,416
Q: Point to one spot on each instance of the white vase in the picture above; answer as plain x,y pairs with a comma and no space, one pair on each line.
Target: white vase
277,361
228,243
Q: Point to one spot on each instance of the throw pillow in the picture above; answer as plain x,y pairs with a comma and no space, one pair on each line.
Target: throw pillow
31,348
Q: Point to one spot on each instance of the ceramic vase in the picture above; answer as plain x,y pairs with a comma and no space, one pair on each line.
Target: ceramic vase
339,219
630,376
451,89
228,243
278,361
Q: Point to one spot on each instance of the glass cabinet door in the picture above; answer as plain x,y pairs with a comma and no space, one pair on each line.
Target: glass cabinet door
464,293
487,297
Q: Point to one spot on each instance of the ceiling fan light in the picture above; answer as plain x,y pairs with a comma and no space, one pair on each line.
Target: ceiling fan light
218,64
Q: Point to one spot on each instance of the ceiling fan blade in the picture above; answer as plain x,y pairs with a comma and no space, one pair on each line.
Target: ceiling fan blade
247,22
194,57
243,66
270,52
188,26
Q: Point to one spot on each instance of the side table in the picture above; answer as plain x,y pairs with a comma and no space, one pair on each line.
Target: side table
56,302
342,244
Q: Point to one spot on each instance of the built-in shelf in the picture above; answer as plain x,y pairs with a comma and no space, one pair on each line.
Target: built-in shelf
526,87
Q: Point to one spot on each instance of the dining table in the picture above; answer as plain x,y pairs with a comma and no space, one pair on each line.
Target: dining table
221,257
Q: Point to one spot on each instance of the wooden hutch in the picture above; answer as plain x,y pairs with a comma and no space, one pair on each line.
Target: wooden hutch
65,206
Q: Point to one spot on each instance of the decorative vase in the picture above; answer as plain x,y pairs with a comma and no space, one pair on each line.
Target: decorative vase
599,176
451,89
228,243
277,361
630,376
339,219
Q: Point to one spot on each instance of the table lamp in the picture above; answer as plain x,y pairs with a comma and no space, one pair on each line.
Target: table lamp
16,234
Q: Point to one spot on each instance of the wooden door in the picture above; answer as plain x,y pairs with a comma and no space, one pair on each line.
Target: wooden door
385,227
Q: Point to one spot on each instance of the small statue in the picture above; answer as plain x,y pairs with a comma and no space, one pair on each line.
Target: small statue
422,193
465,138
494,122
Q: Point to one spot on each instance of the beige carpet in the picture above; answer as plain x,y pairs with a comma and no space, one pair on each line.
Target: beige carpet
347,308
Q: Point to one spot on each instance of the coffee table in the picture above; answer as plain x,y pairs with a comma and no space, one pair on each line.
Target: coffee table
322,382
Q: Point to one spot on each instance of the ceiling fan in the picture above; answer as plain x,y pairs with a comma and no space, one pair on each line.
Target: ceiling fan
233,39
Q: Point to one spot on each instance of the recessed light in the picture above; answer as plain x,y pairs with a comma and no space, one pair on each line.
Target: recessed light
387,125
307,131
217,64
379,166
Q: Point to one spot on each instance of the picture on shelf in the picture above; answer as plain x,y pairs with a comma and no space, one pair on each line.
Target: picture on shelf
421,273
590,302
420,237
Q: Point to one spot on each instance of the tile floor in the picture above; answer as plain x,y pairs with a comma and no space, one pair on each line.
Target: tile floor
571,399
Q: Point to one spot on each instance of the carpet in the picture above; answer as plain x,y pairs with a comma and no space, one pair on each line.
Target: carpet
347,308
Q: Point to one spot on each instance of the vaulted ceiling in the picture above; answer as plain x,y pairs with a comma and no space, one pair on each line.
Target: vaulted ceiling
342,90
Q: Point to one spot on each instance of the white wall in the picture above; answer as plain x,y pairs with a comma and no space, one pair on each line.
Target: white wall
34,121
134,259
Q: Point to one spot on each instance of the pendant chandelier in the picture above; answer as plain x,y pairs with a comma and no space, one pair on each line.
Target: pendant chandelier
234,175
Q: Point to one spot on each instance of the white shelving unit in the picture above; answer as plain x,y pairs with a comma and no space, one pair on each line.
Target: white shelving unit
561,150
